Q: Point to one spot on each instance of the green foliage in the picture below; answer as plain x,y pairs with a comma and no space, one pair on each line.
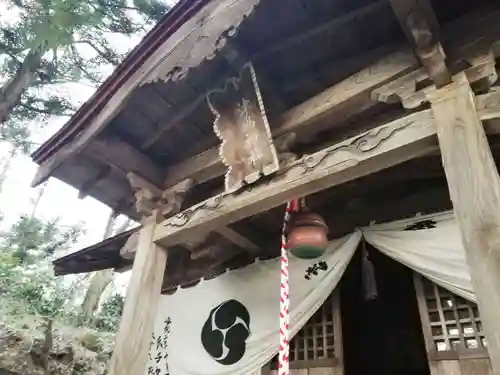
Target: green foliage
31,239
26,279
27,283
108,318
46,43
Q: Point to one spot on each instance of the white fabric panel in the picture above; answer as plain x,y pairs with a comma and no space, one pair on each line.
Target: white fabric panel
255,291
437,253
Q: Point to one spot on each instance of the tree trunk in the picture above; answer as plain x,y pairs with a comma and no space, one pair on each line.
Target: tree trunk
4,171
100,279
11,92
36,201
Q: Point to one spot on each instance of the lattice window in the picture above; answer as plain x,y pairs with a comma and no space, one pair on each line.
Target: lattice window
453,322
315,342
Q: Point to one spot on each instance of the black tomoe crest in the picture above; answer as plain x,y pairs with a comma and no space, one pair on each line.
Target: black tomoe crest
225,332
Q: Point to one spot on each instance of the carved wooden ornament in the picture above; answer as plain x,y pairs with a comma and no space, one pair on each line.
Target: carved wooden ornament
241,123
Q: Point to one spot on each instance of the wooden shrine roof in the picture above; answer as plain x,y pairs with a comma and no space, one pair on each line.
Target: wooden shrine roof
151,118
298,51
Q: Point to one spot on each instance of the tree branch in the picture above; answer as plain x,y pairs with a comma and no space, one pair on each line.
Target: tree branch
11,92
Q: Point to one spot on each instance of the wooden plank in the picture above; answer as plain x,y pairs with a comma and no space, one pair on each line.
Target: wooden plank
423,312
339,102
337,335
445,368
325,371
198,37
238,239
367,153
346,163
474,186
207,165
476,367
126,158
136,327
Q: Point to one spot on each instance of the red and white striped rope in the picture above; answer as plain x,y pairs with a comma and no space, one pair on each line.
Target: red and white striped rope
283,357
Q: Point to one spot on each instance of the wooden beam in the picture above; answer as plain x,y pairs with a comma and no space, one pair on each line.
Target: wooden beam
379,148
99,175
372,151
300,38
474,186
125,158
338,102
238,239
143,294
421,28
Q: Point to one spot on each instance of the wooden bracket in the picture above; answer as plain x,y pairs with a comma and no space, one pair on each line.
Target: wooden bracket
421,28
283,147
481,74
150,198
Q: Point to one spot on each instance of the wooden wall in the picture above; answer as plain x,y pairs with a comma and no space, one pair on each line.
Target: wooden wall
453,332
317,348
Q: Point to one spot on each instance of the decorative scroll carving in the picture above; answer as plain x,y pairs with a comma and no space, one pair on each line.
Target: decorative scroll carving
406,137
198,39
150,198
241,123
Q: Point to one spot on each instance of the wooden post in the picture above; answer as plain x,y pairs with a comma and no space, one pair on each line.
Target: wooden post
134,336
474,186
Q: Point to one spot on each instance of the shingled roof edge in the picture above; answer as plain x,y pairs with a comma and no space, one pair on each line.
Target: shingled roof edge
171,22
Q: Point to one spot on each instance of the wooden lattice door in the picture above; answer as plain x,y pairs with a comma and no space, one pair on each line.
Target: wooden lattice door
453,331
317,348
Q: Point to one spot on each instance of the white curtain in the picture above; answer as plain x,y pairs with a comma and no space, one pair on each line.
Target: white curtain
206,329
430,245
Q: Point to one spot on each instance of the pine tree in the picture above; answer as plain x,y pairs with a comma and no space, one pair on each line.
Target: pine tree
46,43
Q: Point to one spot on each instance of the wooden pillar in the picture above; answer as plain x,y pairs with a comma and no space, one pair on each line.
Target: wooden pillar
474,186
132,342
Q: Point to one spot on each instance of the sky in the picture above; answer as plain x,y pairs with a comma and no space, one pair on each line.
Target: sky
59,199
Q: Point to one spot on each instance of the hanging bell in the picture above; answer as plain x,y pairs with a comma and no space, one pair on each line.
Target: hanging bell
307,237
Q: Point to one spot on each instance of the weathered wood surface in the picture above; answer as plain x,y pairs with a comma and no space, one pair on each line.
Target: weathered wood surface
420,25
351,95
247,147
482,74
474,186
133,339
476,367
125,158
374,150
461,367
367,153
338,102
196,40
460,361
149,197
451,367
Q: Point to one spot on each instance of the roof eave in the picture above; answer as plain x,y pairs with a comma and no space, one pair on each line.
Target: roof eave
172,21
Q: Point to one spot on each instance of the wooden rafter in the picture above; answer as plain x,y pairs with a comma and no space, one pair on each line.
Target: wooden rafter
421,28
339,101
379,148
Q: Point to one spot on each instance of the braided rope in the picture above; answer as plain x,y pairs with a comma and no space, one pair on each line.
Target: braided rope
284,351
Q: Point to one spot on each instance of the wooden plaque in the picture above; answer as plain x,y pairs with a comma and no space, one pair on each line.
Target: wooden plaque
247,147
